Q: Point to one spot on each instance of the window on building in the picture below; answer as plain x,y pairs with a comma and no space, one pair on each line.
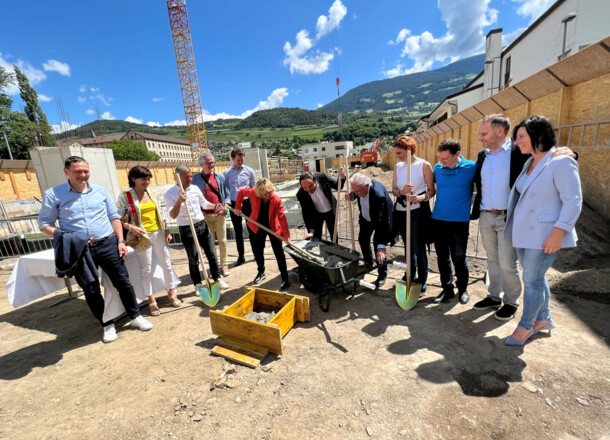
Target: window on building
507,72
323,148
340,147
315,150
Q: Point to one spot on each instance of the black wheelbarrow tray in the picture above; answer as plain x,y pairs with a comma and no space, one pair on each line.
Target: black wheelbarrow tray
324,280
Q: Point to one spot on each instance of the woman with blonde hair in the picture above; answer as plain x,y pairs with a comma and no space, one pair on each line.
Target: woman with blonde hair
144,206
268,210
418,193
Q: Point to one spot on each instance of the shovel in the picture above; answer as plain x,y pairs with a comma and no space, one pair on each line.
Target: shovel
298,249
407,293
210,292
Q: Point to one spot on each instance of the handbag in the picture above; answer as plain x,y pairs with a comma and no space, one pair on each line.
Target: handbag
131,239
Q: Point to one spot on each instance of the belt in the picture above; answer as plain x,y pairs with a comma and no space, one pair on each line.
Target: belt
188,227
98,241
495,211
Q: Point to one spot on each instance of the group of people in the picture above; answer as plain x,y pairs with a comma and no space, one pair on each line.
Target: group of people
528,200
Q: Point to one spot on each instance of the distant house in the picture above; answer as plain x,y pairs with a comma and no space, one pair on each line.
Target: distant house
541,45
168,149
328,150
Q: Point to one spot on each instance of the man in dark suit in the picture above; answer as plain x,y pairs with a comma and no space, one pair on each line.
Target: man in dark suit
317,202
375,217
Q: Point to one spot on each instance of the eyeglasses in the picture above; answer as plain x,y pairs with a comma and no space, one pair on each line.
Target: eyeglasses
209,163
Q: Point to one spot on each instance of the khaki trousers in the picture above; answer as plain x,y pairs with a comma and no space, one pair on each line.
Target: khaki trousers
217,224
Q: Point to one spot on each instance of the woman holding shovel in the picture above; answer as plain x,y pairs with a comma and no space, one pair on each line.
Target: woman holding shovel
418,193
268,210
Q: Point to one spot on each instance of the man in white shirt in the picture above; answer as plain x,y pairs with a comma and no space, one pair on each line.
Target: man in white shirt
176,203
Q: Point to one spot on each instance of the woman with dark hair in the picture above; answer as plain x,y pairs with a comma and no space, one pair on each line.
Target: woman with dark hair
268,210
418,193
143,204
543,207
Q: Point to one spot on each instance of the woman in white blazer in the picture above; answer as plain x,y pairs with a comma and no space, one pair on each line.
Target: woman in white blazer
543,207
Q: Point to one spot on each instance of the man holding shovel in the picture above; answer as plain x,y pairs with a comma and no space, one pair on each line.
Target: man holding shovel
176,203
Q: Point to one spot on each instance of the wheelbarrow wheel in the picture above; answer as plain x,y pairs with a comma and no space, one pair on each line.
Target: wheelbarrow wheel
309,281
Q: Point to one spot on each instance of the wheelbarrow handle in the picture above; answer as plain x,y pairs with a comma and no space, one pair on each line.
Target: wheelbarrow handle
295,247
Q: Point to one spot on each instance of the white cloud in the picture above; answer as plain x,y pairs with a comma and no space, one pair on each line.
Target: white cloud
108,116
507,39
463,38
533,8
44,98
153,124
105,100
181,123
90,111
57,66
158,99
81,99
83,88
133,120
95,89
63,126
301,58
326,24
320,105
35,76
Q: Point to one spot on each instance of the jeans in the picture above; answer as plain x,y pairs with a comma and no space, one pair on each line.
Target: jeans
364,239
451,238
501,260
207,245
106,256
159,247
419,257
536,291
258,246
218,225
238,226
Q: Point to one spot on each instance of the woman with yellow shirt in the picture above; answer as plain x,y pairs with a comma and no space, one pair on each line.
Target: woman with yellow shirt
151,228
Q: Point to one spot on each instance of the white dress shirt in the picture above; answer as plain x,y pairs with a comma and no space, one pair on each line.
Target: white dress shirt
194,200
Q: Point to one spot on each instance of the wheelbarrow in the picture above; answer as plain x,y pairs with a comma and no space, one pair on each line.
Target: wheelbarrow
324,279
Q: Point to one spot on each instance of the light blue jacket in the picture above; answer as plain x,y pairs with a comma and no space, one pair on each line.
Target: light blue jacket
551,198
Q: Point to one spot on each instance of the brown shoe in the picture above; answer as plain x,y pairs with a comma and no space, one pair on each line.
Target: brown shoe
225,271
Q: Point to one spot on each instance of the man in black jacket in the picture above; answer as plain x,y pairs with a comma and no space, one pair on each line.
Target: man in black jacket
317,202
375,217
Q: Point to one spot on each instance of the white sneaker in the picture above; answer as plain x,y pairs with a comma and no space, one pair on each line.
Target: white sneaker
197,287
141,323
109,334
222,283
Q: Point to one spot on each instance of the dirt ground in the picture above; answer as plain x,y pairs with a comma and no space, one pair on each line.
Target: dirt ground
365,369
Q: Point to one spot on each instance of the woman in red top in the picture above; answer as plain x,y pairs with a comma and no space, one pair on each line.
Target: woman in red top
268,210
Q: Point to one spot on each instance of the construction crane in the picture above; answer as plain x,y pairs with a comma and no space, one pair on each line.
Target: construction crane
183,47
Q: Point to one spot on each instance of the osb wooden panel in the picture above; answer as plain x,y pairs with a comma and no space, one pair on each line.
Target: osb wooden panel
591,101
539,85
452,123
509,98
547,106
516,115
488,107
444,126
475,145
460,119
472,114
595,179
575,70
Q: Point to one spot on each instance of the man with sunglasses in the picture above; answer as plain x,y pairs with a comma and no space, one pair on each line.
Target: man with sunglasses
215,190
454,178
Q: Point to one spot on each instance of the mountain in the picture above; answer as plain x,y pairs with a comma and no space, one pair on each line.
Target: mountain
105,127
288,117
417,93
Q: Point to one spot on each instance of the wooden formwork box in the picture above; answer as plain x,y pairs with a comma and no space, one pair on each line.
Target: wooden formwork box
247,342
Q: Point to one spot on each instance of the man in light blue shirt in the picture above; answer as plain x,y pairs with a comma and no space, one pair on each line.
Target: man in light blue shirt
80,206
239,176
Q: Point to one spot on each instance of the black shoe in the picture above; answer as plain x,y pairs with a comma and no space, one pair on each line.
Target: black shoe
259,277
487,303
464,297
506,313
239,262
380,281
444,296
285,285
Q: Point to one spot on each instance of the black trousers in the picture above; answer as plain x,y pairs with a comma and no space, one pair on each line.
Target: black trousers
204,237
327,217
107,257
450,242
238,226
364,239
258,246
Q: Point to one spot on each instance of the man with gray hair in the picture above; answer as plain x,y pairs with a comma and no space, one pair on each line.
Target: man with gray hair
375,217
176,204
215,190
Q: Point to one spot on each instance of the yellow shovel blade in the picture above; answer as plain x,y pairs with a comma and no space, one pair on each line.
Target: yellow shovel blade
210,293
407,295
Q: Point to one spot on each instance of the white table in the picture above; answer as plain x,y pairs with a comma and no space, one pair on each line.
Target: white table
33,277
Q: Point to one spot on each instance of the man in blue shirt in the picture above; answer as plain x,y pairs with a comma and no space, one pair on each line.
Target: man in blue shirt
239,176
454,177
80,206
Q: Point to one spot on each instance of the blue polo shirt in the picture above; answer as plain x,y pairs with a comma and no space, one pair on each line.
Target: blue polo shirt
454,191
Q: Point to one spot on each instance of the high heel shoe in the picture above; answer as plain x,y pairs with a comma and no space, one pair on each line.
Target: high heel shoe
549,326
512,341
173,298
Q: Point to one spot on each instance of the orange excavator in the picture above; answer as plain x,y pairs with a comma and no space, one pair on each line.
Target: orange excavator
372,156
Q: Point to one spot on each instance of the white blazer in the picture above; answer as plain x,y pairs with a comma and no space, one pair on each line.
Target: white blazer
551,198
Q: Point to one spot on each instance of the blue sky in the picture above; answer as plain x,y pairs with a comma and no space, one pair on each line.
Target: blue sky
117,56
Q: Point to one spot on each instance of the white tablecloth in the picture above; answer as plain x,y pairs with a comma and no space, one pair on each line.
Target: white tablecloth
34,277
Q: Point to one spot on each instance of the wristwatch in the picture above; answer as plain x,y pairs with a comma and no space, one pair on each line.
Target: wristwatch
122,241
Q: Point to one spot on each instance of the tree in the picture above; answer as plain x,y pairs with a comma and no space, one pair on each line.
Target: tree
130,150
33,111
